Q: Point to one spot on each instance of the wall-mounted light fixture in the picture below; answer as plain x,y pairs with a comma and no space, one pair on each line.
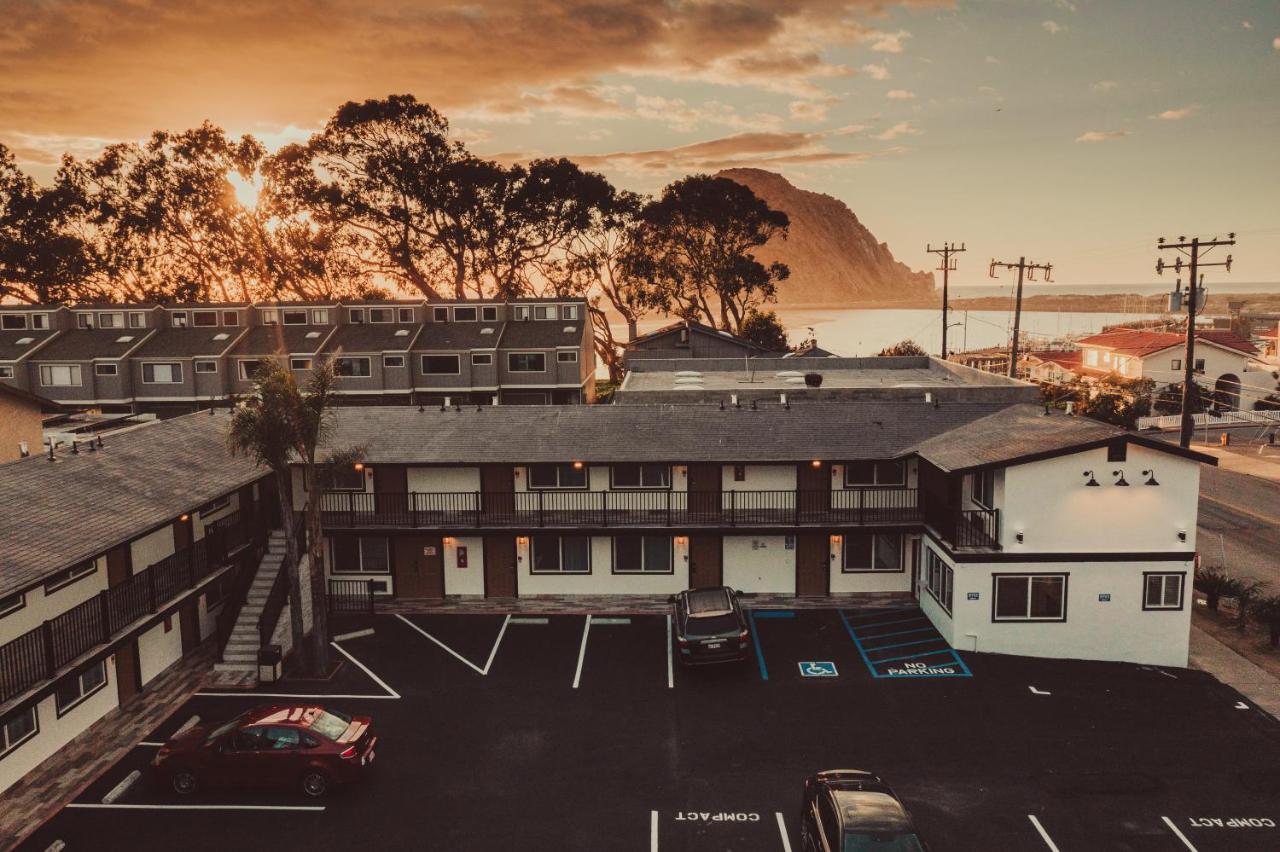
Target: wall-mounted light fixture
1120,480
184,518
682,539
1019,536
577,465
448,539
1092,483
522,539
817,463
1151,477
1182,535
359,466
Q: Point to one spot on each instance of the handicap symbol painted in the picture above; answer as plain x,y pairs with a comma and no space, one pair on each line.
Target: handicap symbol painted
818,669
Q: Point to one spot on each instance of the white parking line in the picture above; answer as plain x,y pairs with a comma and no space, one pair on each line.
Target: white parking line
582,651
150,744
1181,836
1044,835
382,683
671,675
249,693
493,653
782,832
94,805
123,787
452,652
653,831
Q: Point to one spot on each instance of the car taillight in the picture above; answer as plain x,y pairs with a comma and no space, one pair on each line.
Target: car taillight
164,750
742,637
682,642
348,753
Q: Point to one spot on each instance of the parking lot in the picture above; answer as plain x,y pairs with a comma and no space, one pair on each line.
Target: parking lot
575,732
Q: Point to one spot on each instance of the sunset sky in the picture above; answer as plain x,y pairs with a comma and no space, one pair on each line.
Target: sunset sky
1072,131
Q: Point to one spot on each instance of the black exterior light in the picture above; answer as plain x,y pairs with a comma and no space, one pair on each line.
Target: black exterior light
1120,480
1092,483
1151,477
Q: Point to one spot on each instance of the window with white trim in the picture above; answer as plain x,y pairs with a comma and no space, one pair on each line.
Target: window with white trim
356,316
404,315
939,578
560,554
230,318
299,363
271,317
552,476
440,314
481,359
871,552
375,555
1029,597
6,372
204,319
249,369
111,319
521,312
544,312
74,690
567,357
380,315
640,476
569,312
319,316
1162,591
84,320
440,365
1175,364
12,603
642,554
13,322
489,313
467,314
60,375
864,473
206,366
392,361
18,729
101,369
178,319
40,322
526,362
162,374
352,367
983,488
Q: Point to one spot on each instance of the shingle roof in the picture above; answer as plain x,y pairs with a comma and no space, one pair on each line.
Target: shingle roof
54,514
372,337
86,344
452,336
1069,358
1140,342
541,334
281,340
28,397
188,342
10,350
698,328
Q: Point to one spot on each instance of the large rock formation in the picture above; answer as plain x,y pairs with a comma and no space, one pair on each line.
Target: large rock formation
834,259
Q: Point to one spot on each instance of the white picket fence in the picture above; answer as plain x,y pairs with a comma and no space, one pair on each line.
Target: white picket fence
1227,418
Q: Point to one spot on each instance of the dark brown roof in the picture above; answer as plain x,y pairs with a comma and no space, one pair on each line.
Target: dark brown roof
372,337
542,334
54,514
696,328
10,350
86,344
452,336
188,342
281,340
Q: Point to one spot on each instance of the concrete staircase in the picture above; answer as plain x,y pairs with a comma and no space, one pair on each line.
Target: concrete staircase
241,653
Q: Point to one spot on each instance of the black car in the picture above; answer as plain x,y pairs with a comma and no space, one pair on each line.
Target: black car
850,810
710,626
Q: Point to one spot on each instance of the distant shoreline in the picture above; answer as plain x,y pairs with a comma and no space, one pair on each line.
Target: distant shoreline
1109,303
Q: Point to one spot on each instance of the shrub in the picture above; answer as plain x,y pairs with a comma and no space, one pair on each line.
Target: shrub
1248,593
1267,611
1215,583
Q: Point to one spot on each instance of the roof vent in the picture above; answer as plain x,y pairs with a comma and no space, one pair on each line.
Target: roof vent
125,338
402,332
795,380
570,329
688,380
691,373
23,341
784,374
486,331
222,335
311,335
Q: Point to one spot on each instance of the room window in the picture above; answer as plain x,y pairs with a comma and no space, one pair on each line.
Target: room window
464,314
319,316
137,320
440,314
1091,357
6,372
162,374
1029,597
13,322
178,319
440,365
642,554
352,367
295,317
489,313
356,316
405,315
392,361
299,363
60,375
230,318
40,322
249,369
206,366
862,473
215,505
567,357
105,369
481,359
1117,451
18,730
939,579
380,315
640,476
870,552
111,320
12,603
1199,368
204,318
547,476
375,555
569,312
67,576
521,312
983,488
526,362
343,478
561,554
271,317
84,320
1175,364
76,689
544,312
1162,591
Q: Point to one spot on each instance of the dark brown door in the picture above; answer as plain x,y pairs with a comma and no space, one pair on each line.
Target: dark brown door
118,567
498,484
128,671
706,566
704,493
813,563
189,624
390,489
419,566
813,485
182,533
499,566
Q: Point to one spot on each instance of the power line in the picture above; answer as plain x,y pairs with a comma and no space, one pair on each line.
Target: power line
1029,271
948,266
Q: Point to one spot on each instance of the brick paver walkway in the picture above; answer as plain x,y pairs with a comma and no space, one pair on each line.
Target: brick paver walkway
43,791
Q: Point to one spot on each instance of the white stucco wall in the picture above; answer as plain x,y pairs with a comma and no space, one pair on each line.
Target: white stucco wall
759,563
1049,501
157,649
41,607
602,580
868,581
443,479
201,520
151,548
469,580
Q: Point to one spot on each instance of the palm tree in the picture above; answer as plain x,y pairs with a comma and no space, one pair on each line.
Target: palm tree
261,428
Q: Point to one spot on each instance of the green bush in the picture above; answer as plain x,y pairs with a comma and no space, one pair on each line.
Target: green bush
1267,611
1214,582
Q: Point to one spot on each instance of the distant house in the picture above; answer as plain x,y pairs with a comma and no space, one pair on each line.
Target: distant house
992,359
1224,362
1052,366
810,349
689,339
21,422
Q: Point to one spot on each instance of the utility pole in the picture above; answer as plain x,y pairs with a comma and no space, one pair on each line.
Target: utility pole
1027,270
948,266
1191,249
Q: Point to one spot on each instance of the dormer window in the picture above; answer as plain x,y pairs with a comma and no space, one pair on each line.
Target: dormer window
406,315
295,317
356,316
271,317
137,319
230,318
380,315
111,320
464,314
319,316
544,312
178,319
522,312
489,313
440,314
204,319
569,312
40,322
13,322
84,320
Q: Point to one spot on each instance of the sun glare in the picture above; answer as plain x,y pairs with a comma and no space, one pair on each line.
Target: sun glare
246,190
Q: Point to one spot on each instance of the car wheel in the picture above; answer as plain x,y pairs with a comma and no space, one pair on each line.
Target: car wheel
315,784
184,782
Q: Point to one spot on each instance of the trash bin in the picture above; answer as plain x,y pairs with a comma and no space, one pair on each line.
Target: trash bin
270,663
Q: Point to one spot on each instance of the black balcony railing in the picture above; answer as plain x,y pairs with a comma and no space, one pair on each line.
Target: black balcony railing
351,597
37,655
532,509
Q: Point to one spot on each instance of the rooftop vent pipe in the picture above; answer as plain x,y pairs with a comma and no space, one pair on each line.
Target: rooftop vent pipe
813,380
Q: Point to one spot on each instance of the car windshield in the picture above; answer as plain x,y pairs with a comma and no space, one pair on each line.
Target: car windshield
711,625
222,729
861,841
330,724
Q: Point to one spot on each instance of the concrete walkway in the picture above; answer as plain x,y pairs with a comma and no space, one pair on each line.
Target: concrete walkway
628,604
1254,683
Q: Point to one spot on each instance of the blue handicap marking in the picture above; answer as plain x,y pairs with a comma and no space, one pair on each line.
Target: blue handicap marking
902,644
818,669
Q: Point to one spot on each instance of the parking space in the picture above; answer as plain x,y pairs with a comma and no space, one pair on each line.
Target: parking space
902,643
575,732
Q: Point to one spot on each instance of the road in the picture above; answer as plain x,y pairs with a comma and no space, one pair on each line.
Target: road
1239,524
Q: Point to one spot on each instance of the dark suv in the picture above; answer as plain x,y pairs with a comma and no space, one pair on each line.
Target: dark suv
849,810
709,625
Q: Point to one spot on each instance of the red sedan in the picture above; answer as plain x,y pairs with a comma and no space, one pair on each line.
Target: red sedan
276,745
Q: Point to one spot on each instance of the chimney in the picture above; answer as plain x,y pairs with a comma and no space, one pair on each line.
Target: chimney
1071,406
631,330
